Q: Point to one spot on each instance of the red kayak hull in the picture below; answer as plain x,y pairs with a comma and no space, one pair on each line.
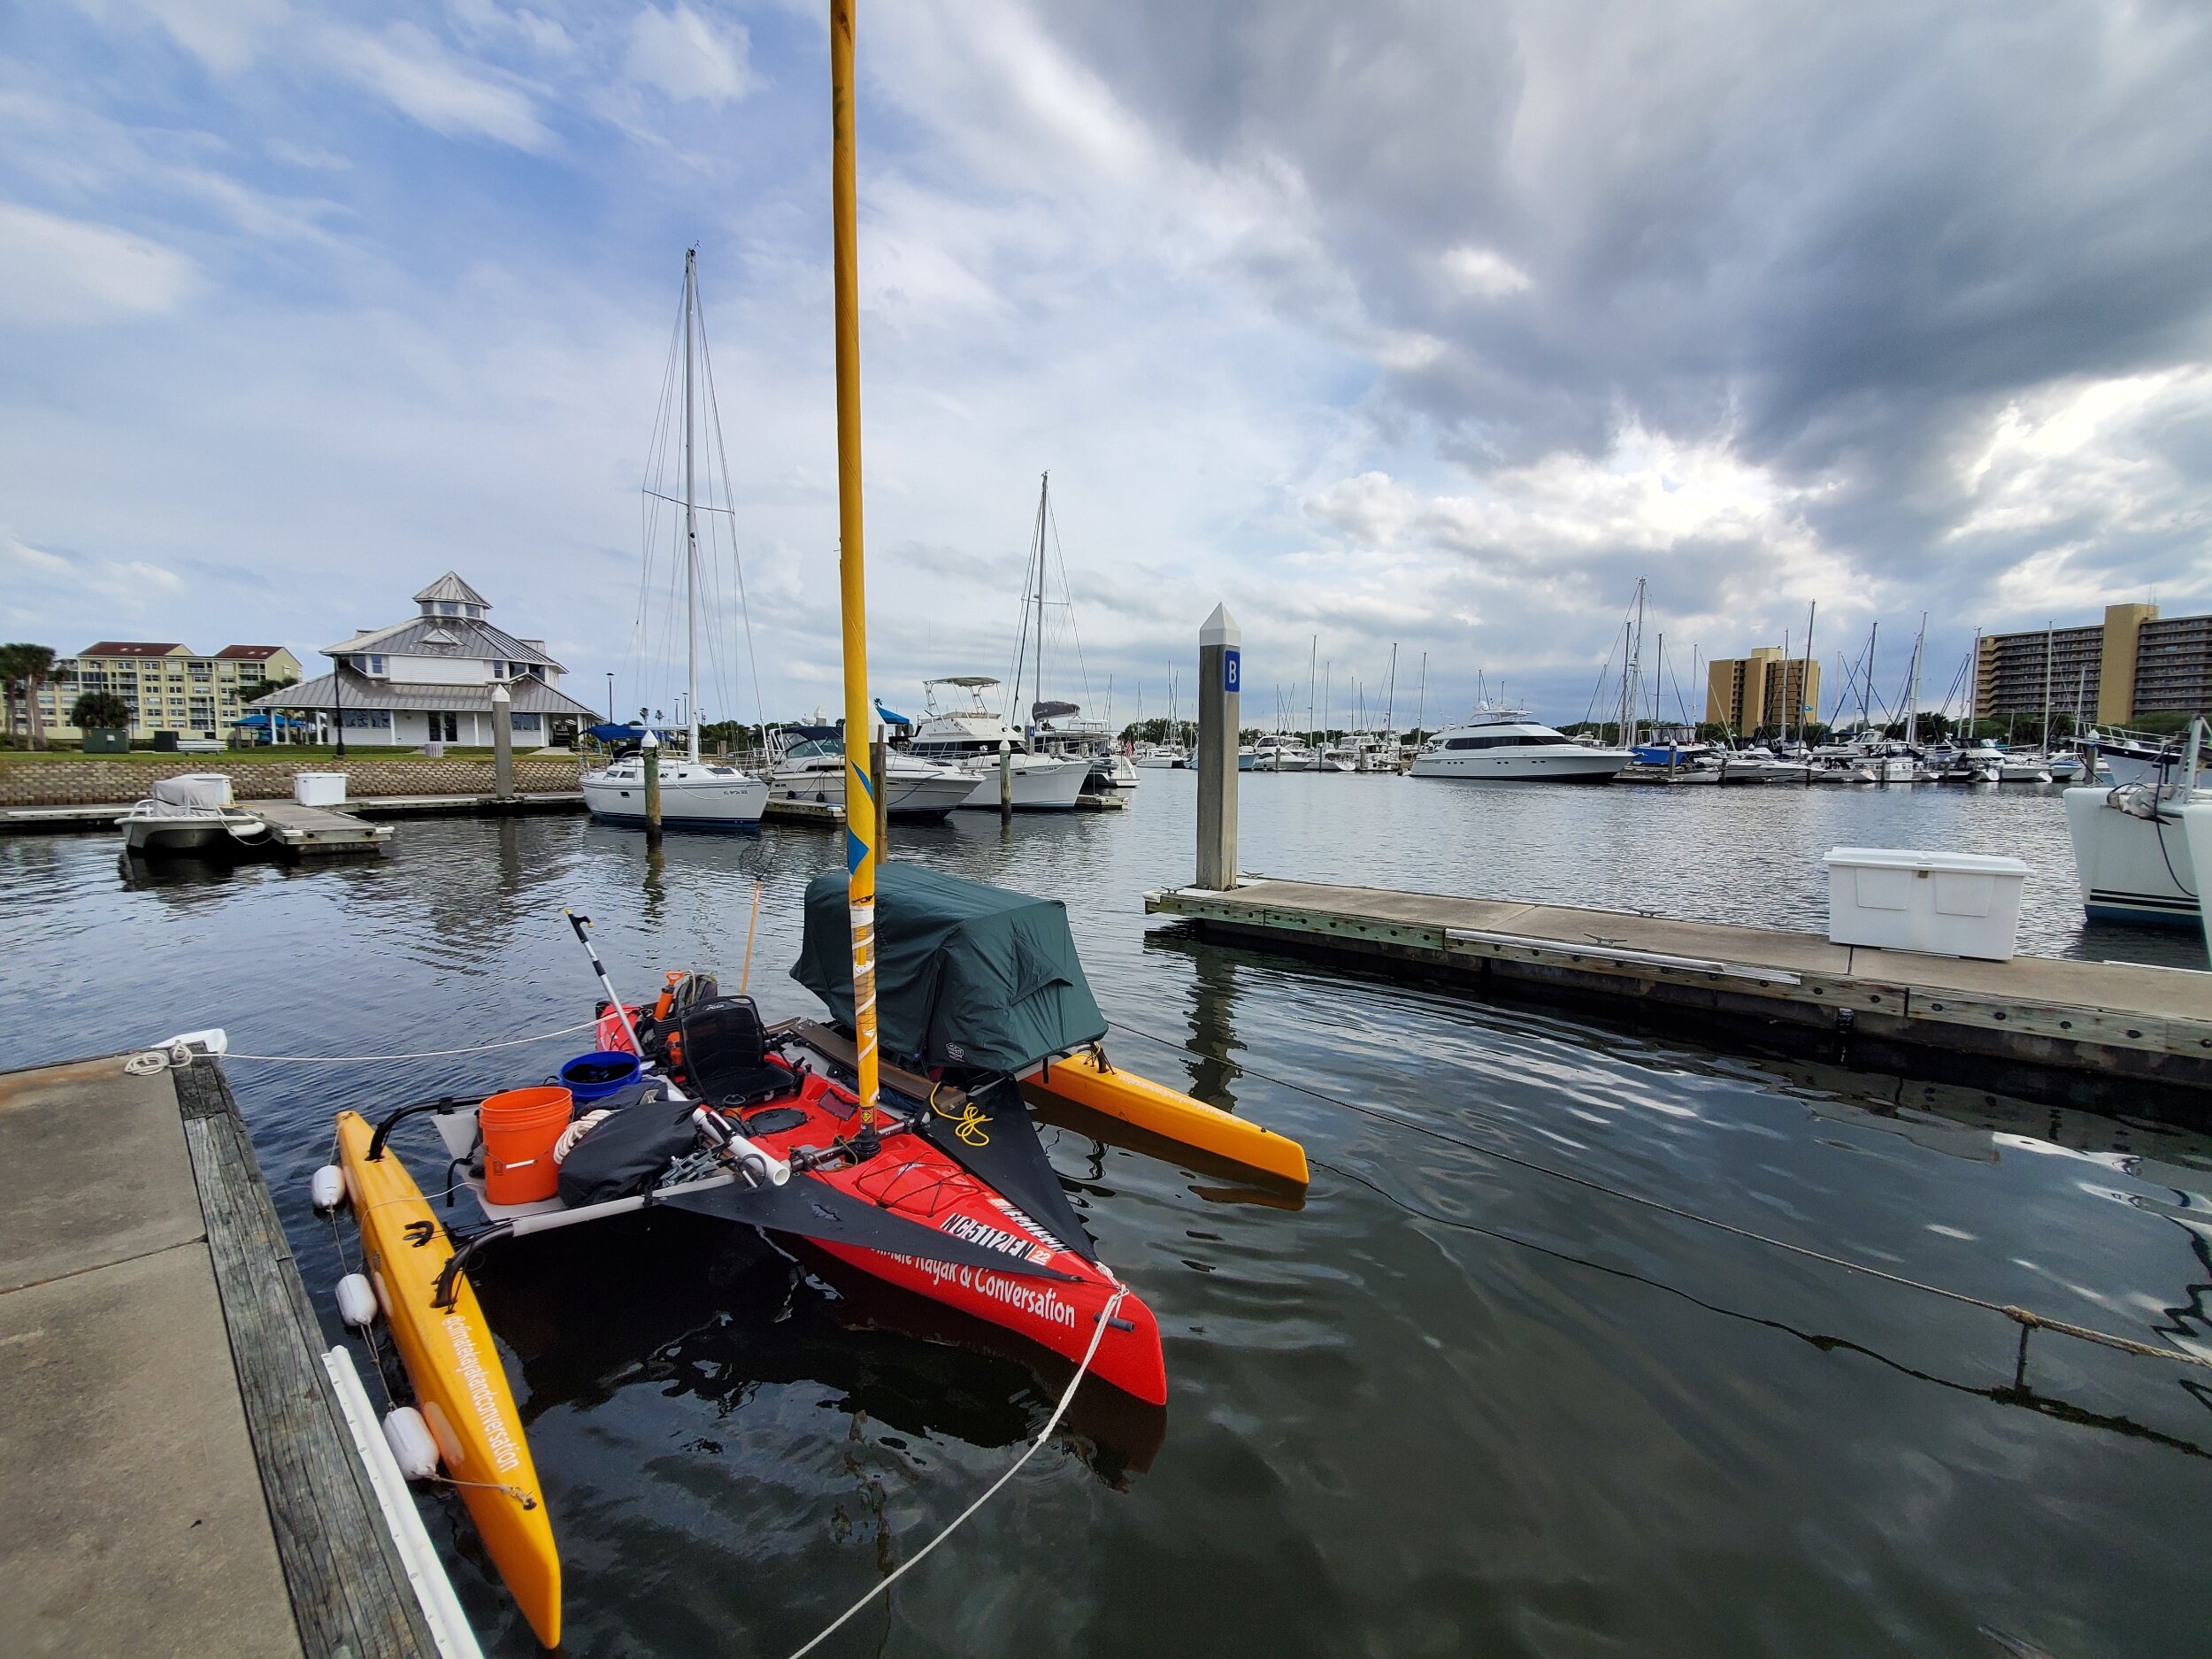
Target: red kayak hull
912,1179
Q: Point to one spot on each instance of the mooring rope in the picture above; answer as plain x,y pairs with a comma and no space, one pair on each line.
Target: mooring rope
1067,1398
178,1056
2026,1317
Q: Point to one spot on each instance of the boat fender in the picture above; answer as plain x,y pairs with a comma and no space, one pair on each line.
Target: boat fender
357,1303
327,1188
411,1445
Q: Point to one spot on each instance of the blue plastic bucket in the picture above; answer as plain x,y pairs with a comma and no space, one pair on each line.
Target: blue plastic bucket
594,1076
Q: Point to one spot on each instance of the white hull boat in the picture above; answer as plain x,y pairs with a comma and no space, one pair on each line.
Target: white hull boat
2138,848
1164,758
1506,746
191,813
912,788
694,795
974,738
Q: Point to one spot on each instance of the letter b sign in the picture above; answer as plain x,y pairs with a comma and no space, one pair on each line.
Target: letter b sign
1231,669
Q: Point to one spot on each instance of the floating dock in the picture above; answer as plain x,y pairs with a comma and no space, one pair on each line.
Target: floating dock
2107,1035
316,831
180,1480
793,809
65,820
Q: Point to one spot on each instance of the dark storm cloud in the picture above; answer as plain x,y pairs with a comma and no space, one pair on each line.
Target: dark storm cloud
1845,237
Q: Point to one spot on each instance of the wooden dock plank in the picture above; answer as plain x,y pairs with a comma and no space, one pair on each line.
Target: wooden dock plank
350,1592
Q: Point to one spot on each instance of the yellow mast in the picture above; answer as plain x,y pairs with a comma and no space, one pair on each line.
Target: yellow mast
860,823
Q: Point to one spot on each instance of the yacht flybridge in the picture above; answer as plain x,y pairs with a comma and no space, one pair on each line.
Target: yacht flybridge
694,794
971,735
1507,746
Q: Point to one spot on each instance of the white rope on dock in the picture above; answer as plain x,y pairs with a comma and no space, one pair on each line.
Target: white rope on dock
1105,1320
180,1054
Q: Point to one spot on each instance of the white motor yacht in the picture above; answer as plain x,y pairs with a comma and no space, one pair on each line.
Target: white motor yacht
1274,752
1163,758
814,770
191,813
971,737
1061,730
1507,746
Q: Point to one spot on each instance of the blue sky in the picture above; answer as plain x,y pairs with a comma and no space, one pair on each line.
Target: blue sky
1439,326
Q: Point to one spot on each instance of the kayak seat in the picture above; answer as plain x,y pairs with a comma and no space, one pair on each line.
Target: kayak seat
718,1049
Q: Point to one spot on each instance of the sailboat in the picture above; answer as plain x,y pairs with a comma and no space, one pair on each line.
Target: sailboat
1169,756
694,794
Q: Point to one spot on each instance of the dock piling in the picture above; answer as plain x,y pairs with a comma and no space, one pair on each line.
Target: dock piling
1220,678
652,748
1005,778
502,744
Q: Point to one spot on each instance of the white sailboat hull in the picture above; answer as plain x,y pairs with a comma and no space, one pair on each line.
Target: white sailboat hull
694,795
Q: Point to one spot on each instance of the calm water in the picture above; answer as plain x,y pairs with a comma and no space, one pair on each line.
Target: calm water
1448,1406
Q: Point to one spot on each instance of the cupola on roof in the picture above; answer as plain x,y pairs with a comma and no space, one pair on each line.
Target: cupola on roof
449,589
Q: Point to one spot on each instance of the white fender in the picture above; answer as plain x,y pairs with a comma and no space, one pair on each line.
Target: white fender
357,1303
327,1188
409,1437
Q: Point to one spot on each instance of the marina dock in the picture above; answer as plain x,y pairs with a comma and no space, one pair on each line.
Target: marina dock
32,820
180,1479
2110,1036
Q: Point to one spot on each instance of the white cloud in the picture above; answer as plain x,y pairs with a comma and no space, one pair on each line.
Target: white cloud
414,74
485,20
1483,273
687,57
55,270
224,34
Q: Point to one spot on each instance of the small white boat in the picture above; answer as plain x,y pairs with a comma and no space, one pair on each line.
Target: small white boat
1274,752
1163,758
694,794
814,770
191,813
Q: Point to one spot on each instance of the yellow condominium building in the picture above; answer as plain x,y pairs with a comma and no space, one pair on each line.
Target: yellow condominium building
1763,692
166,686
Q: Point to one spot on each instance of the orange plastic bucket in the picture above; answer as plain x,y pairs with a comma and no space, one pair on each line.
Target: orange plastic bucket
519,1128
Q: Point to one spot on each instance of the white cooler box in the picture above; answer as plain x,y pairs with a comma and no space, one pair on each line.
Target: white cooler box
319,788
1942,905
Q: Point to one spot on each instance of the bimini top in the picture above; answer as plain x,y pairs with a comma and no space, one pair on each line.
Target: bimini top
966,974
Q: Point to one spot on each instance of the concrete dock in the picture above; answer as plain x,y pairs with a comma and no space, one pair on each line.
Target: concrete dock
2107,1035
178,1479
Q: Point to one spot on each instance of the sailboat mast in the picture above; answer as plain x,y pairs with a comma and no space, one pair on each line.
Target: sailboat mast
860,827
2048,641
1805,675
1044,493
1313,654
1912,709
691,518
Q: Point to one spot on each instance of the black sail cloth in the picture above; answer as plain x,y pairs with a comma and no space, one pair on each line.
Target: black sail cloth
815,1209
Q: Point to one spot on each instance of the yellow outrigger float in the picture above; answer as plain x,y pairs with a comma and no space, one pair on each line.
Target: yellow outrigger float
460,1386
1087,1079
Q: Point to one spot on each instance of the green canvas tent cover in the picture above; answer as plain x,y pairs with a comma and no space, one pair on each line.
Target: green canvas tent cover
966,974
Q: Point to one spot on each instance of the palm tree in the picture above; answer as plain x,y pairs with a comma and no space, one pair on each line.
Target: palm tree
30,664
